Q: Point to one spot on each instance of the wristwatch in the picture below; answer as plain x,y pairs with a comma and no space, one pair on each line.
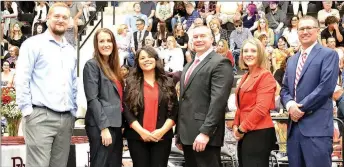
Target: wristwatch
240,132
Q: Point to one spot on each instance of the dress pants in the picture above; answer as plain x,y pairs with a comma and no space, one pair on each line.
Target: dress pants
255,147
211,156
306,151
100,155
47,137
149,154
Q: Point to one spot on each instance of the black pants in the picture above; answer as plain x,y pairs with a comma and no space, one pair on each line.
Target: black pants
210,157
255,147
149,154
100,155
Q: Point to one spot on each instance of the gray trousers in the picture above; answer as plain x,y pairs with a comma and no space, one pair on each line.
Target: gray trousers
47,137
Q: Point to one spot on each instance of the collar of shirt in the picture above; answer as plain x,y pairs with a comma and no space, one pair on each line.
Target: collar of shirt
50,37
309,49
201,57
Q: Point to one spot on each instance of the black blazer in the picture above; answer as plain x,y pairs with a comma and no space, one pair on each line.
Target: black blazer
203,101
163,115
103,100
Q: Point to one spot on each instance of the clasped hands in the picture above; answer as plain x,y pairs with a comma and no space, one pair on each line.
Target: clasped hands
236,134
154,136
295,112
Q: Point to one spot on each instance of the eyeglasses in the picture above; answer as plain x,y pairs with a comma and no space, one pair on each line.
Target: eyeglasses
294,20
302,29
238,25
138,24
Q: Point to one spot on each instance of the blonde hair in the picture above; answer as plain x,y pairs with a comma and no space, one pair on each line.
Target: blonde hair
121,28
266,24
57,4
174,41
215,21
20,33
262,58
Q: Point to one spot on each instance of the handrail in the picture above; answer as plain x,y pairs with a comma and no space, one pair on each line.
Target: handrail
99,9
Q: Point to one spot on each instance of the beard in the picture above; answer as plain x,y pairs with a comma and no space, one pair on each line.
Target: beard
58,32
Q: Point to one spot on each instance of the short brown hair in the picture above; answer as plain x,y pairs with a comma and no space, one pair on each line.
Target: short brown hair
262,63
330,20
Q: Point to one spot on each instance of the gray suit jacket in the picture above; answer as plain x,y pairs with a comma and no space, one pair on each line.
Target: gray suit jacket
203,100
103,100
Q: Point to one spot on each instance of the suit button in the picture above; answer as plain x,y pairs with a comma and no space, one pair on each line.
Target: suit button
158,118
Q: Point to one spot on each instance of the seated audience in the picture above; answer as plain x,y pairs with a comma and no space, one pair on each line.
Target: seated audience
6,75
16,36
290,33
173,56
181,37
10,14
331,43
223,49
282,51
332,30
148,8
179,13
237,38
207,10
327,11
41,11
13,56
130,20
228,11
164,13
192,15
276,19
217,31
123,41
251,17
263,28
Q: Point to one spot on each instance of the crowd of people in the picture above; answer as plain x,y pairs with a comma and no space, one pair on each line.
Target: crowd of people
173,64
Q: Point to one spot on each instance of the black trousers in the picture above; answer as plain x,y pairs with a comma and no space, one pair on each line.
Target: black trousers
149,154
100,155
255,147
210,157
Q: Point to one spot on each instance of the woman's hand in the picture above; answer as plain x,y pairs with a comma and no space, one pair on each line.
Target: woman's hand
236,134
106,137
158,134
147,136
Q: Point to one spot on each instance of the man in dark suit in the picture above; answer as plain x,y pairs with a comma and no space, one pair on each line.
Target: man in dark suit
205,86
308,85
138,38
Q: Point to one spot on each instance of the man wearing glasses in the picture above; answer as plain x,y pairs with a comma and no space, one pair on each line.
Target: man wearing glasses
309,81
138,38
237,38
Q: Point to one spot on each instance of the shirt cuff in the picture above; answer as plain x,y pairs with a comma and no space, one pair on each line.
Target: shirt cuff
27,110
289,104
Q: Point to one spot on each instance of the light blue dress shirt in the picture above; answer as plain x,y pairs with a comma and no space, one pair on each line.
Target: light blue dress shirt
131,21
46,74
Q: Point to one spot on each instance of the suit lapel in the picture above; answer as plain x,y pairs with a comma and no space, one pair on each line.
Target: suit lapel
311,56
248,84
237,93
199,66
115,86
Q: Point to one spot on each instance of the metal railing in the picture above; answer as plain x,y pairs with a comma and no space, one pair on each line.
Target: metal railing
80,32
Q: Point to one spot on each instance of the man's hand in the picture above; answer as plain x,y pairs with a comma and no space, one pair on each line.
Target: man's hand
335,26
200,142
337,94
178,143
295,112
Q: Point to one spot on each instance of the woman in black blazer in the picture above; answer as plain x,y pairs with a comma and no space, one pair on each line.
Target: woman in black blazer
103,89
151,111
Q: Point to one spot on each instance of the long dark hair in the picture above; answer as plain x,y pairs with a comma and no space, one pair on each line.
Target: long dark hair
111,68
134,91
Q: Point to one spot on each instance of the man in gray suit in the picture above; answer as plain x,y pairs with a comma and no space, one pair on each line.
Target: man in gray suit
205,86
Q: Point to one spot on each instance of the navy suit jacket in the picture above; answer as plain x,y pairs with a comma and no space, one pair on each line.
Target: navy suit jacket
314,90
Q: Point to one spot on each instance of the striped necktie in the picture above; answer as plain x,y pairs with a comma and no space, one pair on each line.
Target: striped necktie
299,70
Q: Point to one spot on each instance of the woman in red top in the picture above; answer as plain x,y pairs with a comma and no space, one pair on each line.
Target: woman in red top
222,49
253,125
103,86
151,109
